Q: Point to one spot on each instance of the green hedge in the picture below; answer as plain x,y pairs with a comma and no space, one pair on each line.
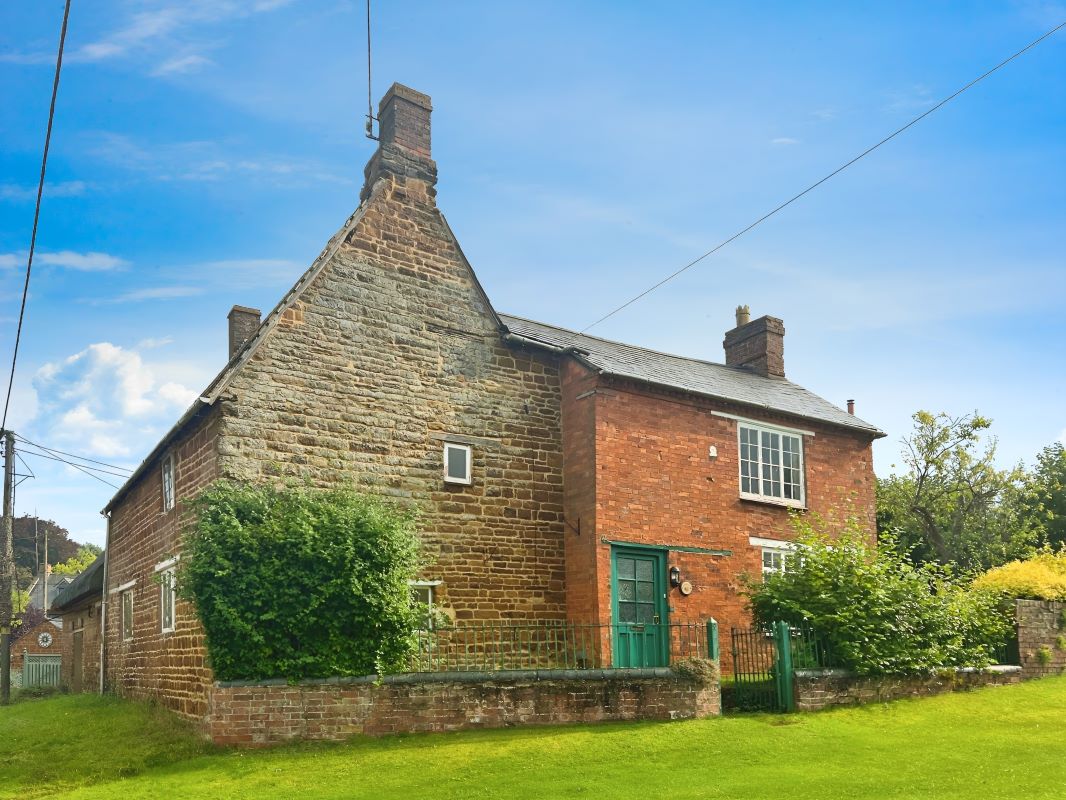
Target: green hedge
297,583
877,611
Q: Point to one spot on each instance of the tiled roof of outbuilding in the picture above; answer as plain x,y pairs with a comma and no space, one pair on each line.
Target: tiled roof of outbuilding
735,384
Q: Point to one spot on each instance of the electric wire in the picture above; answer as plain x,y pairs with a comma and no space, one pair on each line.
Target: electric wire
37,211
78,467
22,438
369,88
82,467
813,186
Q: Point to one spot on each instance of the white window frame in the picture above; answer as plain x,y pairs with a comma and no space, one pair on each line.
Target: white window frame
760,429
169,497
431,589
126,614
168,598
468,478
788,551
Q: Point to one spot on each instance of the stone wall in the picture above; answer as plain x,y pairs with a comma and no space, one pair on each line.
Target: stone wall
1041,637
168,667
83,624
274,712
818,689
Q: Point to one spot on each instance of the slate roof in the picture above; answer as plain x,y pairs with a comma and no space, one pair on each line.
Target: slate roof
736,384
88,584
56,583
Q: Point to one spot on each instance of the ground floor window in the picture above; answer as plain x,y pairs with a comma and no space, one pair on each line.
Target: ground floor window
423,595
127,615
775,561
167,599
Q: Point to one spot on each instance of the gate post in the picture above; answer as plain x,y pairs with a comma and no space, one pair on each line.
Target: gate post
783,673
713,652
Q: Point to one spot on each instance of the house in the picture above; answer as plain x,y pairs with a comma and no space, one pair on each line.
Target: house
78,606
46,582
561,476
41,643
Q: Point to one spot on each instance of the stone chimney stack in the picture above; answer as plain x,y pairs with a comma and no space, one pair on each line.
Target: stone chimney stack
404,140
243,323
758,345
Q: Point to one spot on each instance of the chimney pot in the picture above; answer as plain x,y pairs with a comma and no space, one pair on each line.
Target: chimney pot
758,345
851,406
243,323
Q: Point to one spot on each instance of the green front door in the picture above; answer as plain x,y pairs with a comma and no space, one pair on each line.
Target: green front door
638,602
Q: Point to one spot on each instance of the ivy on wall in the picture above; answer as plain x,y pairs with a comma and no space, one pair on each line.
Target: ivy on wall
296,583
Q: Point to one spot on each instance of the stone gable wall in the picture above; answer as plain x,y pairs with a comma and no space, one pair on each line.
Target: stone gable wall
390,351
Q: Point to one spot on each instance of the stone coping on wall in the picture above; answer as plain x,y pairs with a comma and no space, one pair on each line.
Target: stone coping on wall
465,677
998,669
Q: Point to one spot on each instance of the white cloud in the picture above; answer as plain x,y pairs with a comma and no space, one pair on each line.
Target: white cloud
152,344
8,260
106,400
181,65
917,98
152,293
783,140
10,191
84,262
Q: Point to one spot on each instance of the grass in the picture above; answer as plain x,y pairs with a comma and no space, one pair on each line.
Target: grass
991,743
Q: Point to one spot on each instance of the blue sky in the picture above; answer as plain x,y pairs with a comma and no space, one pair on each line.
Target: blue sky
204,151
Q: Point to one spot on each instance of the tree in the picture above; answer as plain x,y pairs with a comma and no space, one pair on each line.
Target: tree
953,506
1046,497
85,556
28,534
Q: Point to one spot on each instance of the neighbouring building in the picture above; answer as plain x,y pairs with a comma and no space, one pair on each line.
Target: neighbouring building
41,644
561,476
46,585
78,606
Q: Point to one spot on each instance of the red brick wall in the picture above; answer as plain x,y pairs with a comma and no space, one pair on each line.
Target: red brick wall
656,485
818,689
27,642
87,620
1041,627
261,715
169,667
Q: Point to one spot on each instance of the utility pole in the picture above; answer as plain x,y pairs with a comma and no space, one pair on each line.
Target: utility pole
45,570
6,569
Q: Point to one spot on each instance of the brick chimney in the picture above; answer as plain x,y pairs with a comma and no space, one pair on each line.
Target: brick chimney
243,323
758,345
404,140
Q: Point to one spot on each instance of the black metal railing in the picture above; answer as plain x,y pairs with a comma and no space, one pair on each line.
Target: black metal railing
549,644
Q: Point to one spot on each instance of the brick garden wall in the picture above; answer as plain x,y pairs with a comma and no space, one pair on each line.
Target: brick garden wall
264,714
818,689
1041,629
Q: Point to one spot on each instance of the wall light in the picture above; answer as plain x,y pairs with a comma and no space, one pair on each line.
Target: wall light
675,577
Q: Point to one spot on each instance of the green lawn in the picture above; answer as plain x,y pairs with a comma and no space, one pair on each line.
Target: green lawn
993,743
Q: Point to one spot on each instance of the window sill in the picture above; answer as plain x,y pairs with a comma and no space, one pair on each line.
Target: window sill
773,501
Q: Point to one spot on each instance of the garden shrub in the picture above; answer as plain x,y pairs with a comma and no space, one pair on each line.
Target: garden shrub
1042,577
295,583
1044,656
878,612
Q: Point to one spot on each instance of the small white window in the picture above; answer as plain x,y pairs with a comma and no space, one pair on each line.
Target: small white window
167,600
775,561
457,458
168,483
127,615
422,594
771,465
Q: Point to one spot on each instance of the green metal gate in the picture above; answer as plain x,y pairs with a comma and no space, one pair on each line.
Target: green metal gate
762,670
40,670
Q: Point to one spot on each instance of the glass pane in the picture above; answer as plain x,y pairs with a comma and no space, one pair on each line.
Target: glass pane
626,591
644,570
626,568
627,612
457,463
645,613
646,592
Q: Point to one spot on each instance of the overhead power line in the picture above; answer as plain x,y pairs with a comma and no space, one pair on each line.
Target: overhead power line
22,438
37,211
88,471
813,186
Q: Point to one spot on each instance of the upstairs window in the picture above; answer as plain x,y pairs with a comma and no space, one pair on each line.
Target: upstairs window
771,465
168,483
457,458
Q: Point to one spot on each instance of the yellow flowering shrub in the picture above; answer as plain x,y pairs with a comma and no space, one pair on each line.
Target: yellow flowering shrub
1042,577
